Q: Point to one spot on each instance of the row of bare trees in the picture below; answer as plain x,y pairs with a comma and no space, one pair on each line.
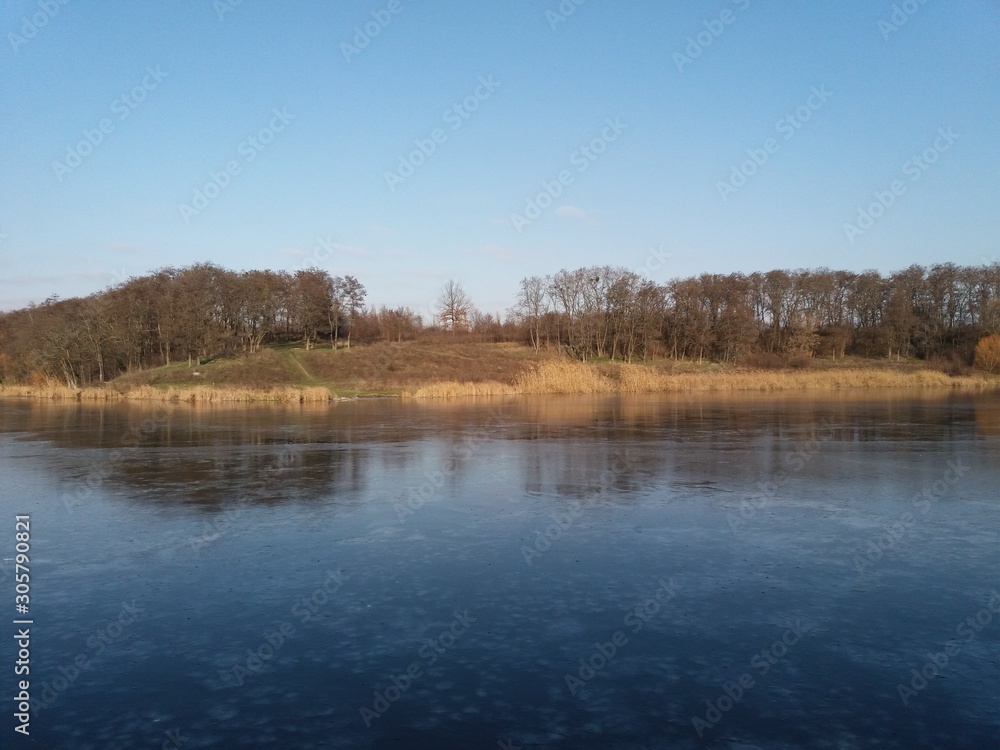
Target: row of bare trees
190,314
197,313
610,312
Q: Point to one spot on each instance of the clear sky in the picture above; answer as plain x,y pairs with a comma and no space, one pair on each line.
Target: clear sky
652,113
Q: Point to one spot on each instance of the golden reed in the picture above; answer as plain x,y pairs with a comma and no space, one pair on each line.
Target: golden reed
197,395
577,377
552,377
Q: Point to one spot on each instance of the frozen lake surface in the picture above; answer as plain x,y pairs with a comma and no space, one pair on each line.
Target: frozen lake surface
610,572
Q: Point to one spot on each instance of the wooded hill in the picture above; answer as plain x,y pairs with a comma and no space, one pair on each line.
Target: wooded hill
204,311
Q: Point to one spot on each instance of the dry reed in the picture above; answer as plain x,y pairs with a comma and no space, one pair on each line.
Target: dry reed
578,377
551,377
451,388
197,395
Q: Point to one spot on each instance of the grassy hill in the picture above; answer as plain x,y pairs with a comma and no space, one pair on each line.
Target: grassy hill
443,367
382,369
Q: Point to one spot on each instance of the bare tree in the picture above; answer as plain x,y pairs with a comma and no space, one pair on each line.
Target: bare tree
454,307
205,311
396,324
566,291
532,304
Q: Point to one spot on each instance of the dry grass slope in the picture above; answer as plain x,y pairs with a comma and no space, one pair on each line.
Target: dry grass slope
445,368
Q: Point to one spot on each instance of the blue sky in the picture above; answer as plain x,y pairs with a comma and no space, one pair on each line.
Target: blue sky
181,89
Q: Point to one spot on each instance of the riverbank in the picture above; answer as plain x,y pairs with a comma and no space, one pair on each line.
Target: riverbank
197,395
476,369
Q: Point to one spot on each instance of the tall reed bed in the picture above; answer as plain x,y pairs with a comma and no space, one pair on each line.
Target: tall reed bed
578,377
551,377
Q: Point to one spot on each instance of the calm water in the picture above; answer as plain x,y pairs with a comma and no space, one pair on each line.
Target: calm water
566,573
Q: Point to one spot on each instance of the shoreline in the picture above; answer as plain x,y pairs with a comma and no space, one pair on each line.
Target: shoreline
550,378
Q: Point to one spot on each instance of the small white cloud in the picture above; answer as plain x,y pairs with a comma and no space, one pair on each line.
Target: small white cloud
496,252
123,247
572,212
361,252
329,252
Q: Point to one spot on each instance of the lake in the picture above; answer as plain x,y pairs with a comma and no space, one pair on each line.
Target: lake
607,572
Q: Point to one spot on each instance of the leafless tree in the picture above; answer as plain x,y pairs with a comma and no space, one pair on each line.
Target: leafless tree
454,307
531,306
205,311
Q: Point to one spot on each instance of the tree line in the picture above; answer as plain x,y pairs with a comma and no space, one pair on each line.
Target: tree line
189,314
204,311
931,313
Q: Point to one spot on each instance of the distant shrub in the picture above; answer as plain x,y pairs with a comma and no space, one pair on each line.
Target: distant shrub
957,369
988,354
951,363
765,361
38,378
800,362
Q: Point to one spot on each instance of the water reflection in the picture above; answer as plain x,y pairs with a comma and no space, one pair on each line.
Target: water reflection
211,454
220,523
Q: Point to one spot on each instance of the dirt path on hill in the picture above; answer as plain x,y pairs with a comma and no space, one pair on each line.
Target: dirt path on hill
295,360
